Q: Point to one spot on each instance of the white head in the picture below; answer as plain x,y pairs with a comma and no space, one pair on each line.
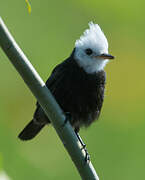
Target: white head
91,50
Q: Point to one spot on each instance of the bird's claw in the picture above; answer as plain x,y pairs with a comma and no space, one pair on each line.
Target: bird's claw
87,156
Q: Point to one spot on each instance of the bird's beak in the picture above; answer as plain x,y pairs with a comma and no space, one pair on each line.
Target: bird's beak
105,56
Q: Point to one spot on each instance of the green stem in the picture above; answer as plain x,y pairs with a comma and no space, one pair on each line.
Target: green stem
47,101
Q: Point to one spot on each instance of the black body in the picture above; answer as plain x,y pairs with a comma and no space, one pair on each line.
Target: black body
77,92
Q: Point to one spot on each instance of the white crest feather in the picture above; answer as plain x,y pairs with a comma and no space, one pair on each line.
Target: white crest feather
94,39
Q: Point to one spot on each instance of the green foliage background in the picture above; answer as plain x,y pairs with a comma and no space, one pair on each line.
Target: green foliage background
47,35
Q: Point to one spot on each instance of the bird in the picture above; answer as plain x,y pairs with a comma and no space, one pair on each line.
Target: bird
77,84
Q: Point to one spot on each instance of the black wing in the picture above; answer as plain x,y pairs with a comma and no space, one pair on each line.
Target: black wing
59,85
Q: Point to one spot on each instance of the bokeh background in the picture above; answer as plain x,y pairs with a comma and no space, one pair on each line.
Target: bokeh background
116,142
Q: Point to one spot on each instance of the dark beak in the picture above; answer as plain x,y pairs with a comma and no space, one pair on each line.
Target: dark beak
106,56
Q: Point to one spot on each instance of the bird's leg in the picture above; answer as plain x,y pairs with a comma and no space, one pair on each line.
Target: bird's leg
87,156
81,141
68,118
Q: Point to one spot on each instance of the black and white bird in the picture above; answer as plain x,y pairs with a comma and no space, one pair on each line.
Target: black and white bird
77,83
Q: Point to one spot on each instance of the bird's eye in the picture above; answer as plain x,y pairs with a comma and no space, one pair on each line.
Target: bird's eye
88,51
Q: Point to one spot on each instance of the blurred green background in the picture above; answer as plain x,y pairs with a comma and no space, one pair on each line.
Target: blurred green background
47,36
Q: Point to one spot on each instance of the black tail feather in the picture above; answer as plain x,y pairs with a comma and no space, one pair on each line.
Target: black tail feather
30,131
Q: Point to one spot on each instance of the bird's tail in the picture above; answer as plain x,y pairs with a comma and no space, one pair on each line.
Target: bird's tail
31,130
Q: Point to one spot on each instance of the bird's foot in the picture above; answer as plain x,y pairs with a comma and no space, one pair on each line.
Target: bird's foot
87,156
67,118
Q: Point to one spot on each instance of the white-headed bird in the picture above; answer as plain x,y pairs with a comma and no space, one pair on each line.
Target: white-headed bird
77,83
